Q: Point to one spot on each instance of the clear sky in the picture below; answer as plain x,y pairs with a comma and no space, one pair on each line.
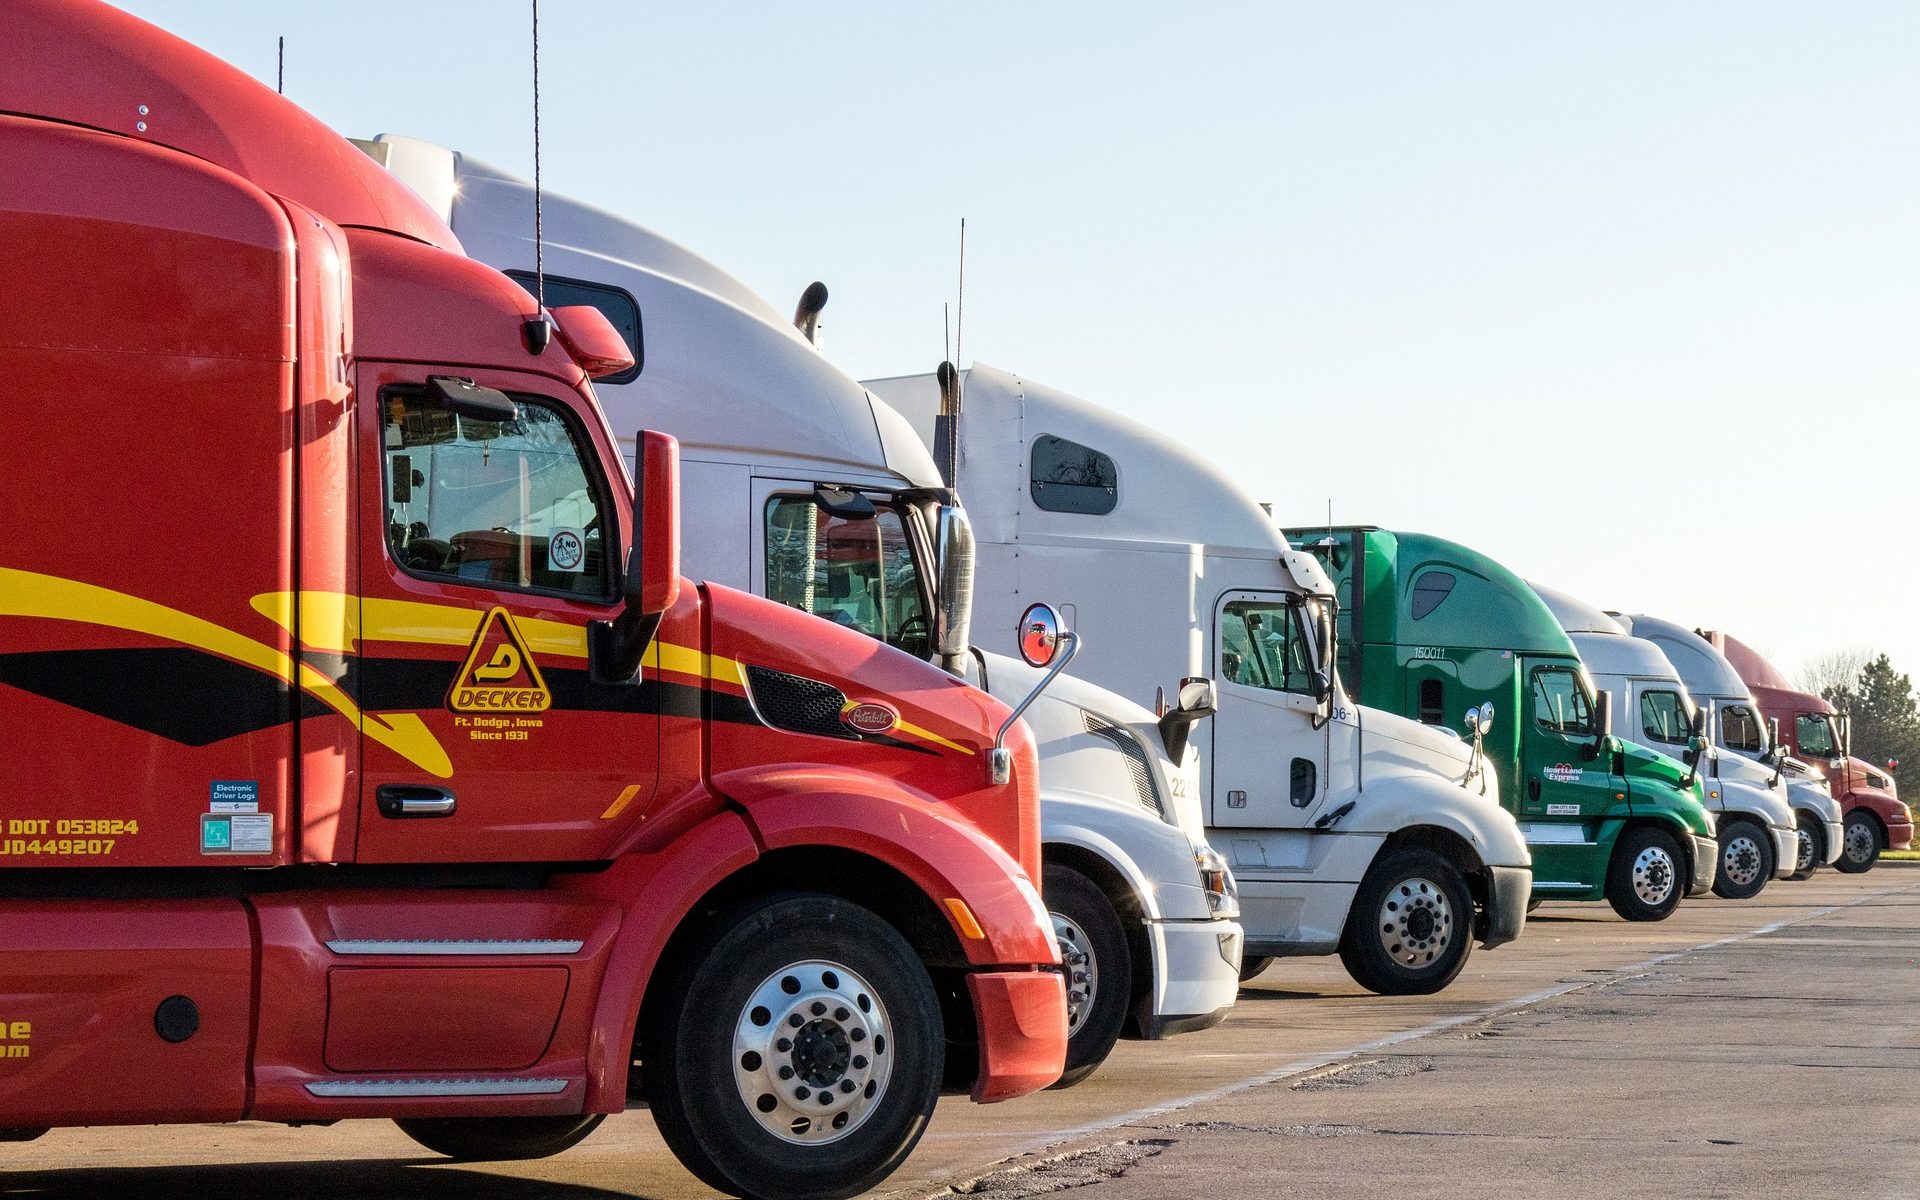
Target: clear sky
1624,294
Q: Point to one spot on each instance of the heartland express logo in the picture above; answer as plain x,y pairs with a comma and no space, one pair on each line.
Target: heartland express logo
1564,773
499,676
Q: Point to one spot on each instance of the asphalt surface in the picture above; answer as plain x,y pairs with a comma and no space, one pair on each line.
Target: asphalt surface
1770,1047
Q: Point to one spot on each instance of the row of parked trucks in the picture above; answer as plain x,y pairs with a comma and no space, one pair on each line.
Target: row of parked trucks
488,699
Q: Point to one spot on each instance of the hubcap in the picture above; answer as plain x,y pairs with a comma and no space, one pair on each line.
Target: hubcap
1654,876
1083,971
1740,860
1803,860
811,1052
1416,922
1859,842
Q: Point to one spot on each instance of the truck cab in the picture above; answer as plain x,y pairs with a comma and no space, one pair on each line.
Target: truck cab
1331,815
1449,637
805,489
376,759
1651,707
1874,819
1742,742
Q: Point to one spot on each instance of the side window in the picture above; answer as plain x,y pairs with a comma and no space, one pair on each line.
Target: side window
616,304
1067,477
1263,645
1560,703
1663,718
1429,590
1740,729
1814,736
496,504
858,573
1432,702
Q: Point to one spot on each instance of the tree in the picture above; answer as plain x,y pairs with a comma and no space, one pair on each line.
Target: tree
1833,676
1886,720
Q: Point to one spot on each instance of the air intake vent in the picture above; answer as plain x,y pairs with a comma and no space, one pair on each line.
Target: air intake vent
1137,765
798,705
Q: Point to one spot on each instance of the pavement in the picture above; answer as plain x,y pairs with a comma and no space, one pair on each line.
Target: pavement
1766,1047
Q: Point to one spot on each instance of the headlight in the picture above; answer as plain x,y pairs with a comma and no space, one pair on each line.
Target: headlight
1223,896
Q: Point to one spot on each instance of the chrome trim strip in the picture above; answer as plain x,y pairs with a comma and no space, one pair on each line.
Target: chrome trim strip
497,946
436,1087
1540,883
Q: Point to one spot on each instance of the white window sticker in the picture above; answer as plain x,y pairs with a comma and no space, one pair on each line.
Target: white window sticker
566,551
252,833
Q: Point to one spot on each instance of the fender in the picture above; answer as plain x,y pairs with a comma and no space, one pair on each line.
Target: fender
1742,797
1400,801
948,860
1119,840
656,892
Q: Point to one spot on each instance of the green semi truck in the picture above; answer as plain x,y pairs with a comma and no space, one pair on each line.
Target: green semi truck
1434,631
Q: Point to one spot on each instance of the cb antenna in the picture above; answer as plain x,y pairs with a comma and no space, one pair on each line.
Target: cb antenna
946,331
960,315
537,329
280,74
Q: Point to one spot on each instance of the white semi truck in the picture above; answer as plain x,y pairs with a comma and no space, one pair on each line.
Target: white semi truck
1746,745
1351,831
1651,706
799,486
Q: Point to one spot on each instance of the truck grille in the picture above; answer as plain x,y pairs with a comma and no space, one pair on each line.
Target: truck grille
1138,767
797,704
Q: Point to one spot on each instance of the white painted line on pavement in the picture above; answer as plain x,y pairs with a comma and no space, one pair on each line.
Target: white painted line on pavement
1327,1058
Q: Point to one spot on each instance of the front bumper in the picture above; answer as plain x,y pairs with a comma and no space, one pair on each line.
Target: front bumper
1508,890
1201,964
1786,852
1022,1021
1899,836
1706,861
1835,842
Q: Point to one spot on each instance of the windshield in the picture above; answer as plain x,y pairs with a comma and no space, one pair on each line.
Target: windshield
1664,718
1814,734
1272,645
1561,702
1742,729
860,572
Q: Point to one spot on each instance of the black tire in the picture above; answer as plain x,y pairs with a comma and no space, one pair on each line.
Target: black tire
1411,926
1812,842
1533,902
499,1139
829,954
1093,945
1666,865
1252,968
1747,860
1861,844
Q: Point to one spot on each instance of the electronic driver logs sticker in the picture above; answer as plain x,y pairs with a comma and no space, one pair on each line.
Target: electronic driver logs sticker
1564,773
567,551
499,675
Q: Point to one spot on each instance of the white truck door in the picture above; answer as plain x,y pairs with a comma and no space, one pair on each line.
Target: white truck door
1270,767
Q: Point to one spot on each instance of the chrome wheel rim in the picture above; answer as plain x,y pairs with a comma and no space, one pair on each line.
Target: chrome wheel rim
1083,971
1804,855
811,1052
1740,860
1860,841
1416,923
1654,876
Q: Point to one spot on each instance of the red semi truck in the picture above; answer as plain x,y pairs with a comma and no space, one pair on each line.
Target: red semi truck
1811,731
363,754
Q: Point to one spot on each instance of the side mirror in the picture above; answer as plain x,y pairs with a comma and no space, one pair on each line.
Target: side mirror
1044,642
1697,744
1198,700
1602,722
1484,718
592,341
616,648
953,535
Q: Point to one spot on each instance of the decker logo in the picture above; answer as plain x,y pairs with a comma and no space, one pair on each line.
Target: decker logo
869,717
499,675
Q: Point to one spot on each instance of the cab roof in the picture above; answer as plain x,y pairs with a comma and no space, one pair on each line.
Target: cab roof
1576,615
85,63
1705,670
1622,656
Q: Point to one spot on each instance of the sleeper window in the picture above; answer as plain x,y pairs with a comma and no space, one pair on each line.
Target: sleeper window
497,504
1070,478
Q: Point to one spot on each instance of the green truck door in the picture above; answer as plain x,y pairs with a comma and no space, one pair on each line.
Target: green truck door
1564,794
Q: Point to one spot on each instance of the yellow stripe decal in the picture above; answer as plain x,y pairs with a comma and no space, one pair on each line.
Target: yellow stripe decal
26,594
929,735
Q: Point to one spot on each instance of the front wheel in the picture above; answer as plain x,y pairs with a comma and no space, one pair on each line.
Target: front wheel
1647,876
1811,843
1093,946
499,1139
1411,925
1254,967
1862,845
796,1052
1746,861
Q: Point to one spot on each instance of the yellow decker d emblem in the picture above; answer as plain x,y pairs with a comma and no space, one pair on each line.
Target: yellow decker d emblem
499,674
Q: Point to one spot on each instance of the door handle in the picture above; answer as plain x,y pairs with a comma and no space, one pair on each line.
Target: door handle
1533,788
410,800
